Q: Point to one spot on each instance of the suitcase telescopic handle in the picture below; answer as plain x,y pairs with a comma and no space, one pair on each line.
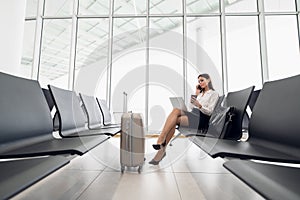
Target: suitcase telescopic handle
124,102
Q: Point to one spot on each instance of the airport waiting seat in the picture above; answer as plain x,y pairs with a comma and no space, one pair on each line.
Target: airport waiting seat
106,114
26,134
49,99
251,104
17,175
269,180
72,121
26,123
50,102
94,116
237,99
273,129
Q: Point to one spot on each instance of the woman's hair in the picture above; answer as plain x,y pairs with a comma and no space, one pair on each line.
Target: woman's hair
206,76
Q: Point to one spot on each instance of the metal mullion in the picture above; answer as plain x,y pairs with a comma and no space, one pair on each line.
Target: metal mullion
30,18
263,43
109,59
72,59
279,13
57,17
184,50
166,15
92,16
38,41
242,14
223,48
129,16
203,15
147,73
298,20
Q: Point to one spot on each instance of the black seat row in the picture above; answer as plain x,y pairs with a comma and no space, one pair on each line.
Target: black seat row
237,99
273,127
27,133
95,115
71,116
26,122
270,180
17,175
273,137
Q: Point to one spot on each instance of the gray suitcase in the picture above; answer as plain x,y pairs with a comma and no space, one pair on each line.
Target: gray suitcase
132,144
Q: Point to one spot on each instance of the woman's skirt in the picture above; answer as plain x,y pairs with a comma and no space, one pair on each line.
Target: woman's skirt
197,120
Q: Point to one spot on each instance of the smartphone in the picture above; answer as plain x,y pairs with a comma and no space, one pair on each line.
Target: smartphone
193,95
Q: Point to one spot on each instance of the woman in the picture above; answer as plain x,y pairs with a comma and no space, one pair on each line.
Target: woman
204,105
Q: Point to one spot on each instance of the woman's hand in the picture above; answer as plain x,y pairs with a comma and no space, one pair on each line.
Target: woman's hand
195,102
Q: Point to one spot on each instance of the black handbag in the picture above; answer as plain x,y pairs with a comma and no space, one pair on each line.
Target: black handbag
220,122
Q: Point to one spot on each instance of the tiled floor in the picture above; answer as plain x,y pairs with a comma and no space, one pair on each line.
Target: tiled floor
185,173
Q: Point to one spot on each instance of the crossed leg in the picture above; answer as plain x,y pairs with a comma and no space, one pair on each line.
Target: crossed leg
176,117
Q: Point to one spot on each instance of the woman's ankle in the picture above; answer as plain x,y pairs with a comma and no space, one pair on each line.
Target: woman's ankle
160,140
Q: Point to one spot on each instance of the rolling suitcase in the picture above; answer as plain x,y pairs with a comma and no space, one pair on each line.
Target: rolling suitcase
132,144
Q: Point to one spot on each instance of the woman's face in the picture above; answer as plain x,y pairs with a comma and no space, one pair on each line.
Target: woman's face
203,82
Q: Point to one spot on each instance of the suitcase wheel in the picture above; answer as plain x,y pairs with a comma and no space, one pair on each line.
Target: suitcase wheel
122,169
139,169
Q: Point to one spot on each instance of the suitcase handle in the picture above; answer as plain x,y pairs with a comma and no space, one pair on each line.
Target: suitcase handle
125,102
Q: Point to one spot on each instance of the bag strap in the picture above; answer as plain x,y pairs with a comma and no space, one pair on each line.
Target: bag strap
228,122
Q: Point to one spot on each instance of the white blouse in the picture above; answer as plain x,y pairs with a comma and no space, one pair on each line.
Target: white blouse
208,100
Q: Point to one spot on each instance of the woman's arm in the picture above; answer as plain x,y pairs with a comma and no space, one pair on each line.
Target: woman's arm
209,106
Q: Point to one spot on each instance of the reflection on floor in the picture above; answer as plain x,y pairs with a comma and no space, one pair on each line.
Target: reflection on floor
185,173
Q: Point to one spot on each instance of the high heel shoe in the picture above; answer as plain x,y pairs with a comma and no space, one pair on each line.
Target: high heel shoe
159,146
154,162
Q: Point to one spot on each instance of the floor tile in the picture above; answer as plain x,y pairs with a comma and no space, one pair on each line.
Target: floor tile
63,184
220,186
186,173
132,186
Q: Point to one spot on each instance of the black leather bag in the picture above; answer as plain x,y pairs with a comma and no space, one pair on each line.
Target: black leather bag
220,122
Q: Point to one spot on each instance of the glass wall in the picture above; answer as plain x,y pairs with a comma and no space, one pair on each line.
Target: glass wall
130,7
283,46
240,6
28,48
55,53
92,7
92,56
242,39
29,38
165,7
129,64
155,49
58,8
279,5
165,67
202,7
203,51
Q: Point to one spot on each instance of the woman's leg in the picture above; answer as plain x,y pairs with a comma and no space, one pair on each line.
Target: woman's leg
175,117
170,124
183,120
